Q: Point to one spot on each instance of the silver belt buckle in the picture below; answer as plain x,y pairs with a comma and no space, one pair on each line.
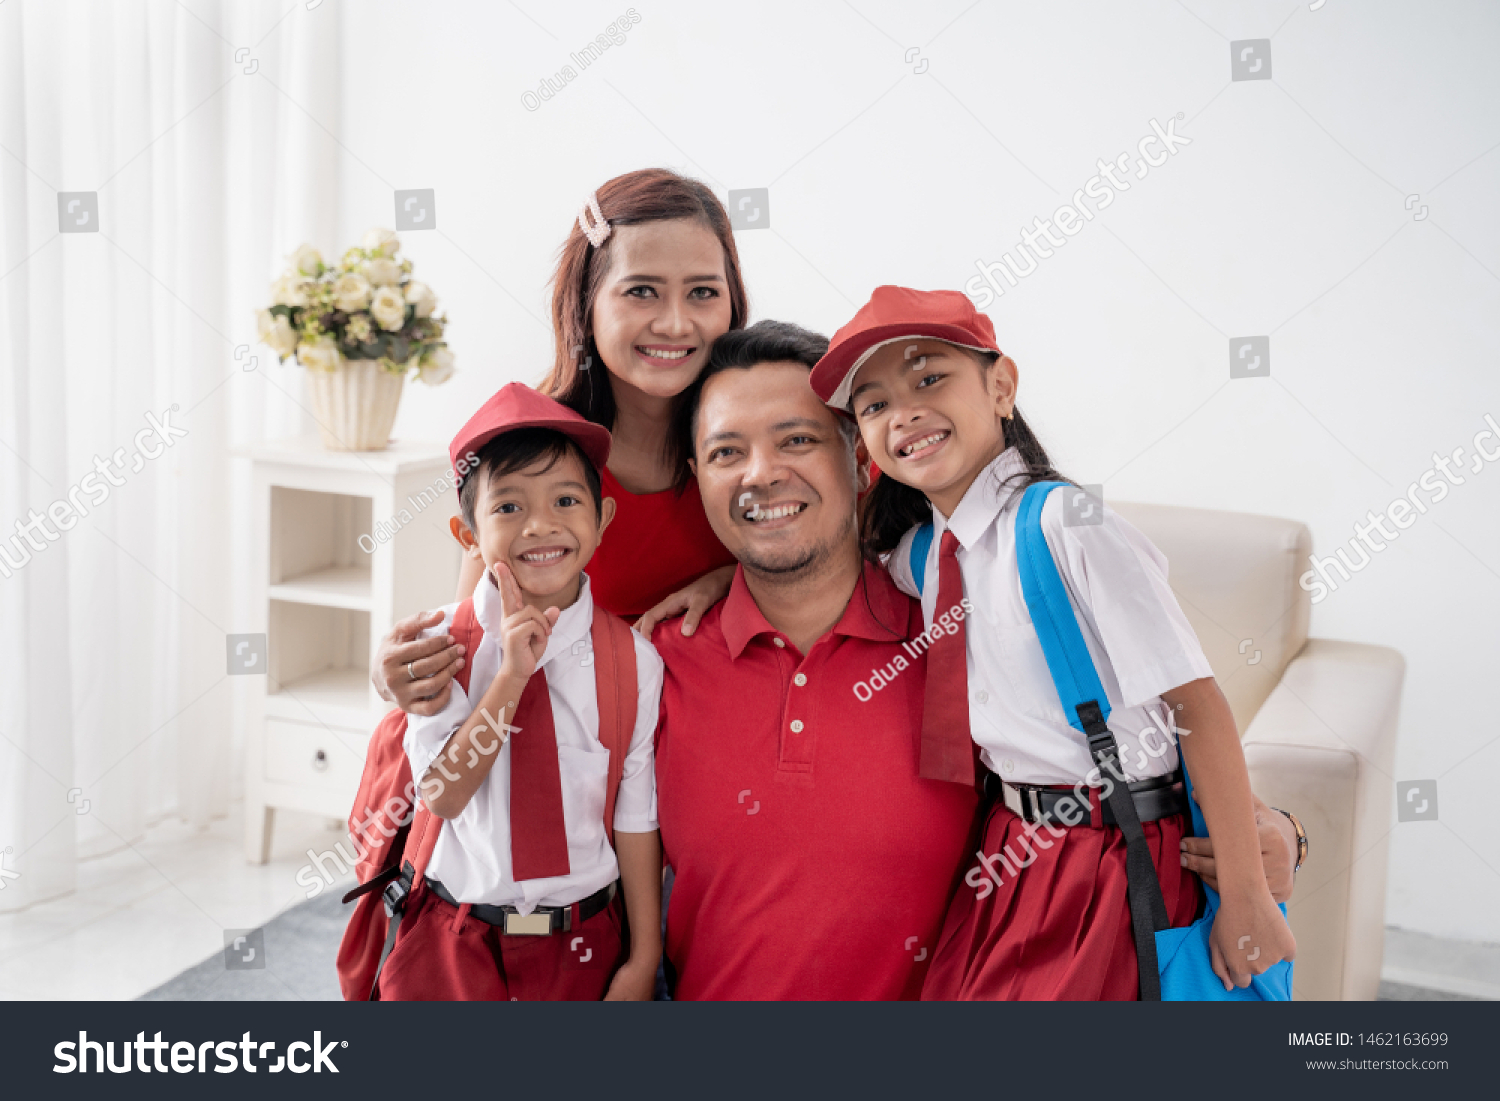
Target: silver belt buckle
1024,803
528,925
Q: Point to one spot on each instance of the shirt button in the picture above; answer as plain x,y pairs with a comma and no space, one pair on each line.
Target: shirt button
796,726
982,696
1007,765
800,679
779,644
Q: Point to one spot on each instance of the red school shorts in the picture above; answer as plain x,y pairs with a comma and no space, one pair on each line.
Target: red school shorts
442,953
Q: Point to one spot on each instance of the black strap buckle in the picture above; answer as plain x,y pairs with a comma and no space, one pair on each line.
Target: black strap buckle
396,891
1095,729
1148,912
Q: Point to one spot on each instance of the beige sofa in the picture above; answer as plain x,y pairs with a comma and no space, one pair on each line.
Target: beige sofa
1318,720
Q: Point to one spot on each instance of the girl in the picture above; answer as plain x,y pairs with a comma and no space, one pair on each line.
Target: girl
934,399
647,279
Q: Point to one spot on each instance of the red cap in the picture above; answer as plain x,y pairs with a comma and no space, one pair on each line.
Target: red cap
898,313
517,405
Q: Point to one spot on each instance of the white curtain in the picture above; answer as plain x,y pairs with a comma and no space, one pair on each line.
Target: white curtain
207,133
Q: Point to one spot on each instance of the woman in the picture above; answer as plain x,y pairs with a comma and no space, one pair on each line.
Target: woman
647,280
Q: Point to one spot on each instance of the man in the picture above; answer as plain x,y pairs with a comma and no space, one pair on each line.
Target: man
811,861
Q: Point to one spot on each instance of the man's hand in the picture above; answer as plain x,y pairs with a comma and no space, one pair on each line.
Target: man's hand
415,673
1278,852
690,602
524,630
633,982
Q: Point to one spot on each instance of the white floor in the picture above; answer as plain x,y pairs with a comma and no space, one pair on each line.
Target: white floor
1451,966
142,915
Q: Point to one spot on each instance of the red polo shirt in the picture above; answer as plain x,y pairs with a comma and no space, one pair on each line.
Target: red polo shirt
811,860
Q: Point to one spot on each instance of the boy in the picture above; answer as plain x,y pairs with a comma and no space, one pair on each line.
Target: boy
519,895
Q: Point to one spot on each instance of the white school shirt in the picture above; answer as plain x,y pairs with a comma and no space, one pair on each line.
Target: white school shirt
472,856
1139,639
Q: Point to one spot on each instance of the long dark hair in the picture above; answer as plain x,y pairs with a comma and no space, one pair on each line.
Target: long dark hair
647,195
891,509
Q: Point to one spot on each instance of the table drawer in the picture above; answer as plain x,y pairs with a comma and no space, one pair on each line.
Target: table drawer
314,756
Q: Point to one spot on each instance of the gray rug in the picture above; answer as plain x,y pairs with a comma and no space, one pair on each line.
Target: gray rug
297,952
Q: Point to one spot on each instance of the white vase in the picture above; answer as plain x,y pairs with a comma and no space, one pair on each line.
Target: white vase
355,405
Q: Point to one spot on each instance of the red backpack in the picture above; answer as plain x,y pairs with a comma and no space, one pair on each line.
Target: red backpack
395,844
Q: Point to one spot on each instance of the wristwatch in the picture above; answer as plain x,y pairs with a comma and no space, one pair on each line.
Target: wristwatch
1301,837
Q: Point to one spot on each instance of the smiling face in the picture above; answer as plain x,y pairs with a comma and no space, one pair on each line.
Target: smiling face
540,521
932,414
775,472
661,305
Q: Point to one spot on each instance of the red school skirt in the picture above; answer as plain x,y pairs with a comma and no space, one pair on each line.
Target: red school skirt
1059,928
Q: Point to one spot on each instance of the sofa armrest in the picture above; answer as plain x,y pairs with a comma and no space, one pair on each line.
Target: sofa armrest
1323,746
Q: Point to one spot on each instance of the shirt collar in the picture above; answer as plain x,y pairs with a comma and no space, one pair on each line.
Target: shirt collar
572,626
985,499
877,611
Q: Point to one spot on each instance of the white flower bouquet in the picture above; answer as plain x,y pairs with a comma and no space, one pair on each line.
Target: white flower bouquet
367,307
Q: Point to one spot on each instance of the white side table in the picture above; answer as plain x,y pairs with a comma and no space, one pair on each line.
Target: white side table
346,543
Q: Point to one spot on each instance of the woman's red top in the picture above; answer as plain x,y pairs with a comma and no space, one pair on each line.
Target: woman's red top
656,544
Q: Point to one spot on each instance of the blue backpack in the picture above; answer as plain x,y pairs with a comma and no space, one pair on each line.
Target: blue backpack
1174,963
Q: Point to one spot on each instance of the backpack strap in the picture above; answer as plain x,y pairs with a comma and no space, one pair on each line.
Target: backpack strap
921,545
1084,701
467,632
425,826
615,689
401,878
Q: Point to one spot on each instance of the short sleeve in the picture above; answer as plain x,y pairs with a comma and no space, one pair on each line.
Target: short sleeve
898,565
635,804
1120,579
426,735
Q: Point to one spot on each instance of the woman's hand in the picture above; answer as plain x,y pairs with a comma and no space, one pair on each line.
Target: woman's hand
1278,852
524,630
1249,937
415,673
689,602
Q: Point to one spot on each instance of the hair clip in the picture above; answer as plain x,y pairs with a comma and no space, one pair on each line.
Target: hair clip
599,231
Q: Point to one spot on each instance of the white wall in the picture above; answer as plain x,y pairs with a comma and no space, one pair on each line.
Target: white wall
1283,217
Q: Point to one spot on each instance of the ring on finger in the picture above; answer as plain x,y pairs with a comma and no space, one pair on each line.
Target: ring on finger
409,673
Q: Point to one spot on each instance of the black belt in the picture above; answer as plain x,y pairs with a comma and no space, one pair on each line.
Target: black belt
1154,798
541,922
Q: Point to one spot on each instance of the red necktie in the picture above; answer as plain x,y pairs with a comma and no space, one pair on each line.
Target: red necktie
538,836
947,749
